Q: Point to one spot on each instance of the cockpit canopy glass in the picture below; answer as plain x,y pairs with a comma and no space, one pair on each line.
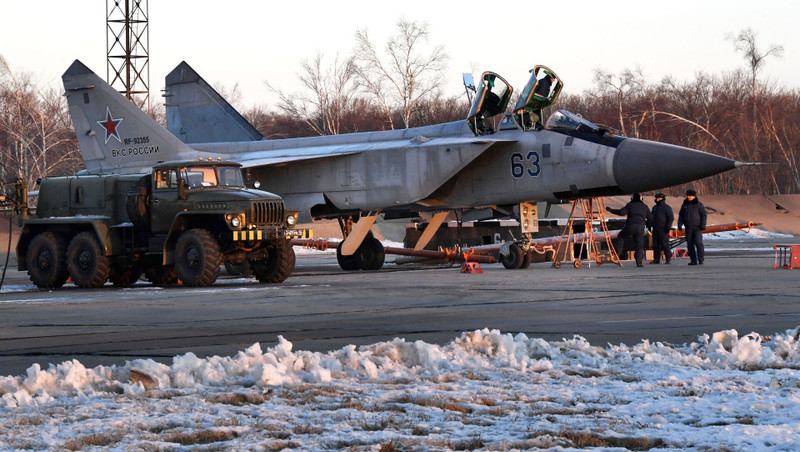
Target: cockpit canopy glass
541,91
564,120
490,100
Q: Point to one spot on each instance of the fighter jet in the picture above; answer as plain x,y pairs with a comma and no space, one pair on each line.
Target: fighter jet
490,160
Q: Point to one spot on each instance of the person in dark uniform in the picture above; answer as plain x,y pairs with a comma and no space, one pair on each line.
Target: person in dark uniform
543,86
662,222
693,216
638,219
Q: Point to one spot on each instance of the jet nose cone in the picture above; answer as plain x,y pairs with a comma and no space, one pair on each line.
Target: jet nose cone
641,165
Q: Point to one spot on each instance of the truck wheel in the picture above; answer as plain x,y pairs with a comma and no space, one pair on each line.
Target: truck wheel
46,260
124,275
161,275
197,258
348,263
278,265
372,253
512,259
87,265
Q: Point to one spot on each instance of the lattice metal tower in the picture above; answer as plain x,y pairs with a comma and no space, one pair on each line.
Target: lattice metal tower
128,45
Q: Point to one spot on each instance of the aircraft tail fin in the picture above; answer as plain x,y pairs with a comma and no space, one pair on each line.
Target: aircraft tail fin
114,135
197,113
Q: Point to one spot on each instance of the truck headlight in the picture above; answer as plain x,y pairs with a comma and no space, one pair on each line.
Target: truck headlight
235,222
291,220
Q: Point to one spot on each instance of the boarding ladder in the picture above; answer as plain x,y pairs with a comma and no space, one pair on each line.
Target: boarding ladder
591,209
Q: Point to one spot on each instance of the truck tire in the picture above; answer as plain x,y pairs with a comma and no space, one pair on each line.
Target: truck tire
197,258
46,260
124,275
278,265
87,265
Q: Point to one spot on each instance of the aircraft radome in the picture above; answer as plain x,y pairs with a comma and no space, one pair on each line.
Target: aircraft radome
490,160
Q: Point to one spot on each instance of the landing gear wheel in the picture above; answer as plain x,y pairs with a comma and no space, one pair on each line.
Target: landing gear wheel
372,253
278,265
556,264
46,260
87,265
527,259
124,275
161,275
242,269
512,257
197,258
348,263
577,264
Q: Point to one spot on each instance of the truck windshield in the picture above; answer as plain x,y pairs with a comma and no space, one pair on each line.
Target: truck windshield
213,176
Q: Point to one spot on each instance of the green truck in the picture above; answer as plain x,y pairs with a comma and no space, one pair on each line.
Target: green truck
176,224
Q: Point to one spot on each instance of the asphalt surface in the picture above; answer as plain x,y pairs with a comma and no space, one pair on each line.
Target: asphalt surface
323,308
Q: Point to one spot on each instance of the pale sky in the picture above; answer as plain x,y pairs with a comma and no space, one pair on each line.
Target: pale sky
248,42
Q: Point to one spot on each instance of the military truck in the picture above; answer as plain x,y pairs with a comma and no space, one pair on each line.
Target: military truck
178,223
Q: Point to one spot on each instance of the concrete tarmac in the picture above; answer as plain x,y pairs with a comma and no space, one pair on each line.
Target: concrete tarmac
323,308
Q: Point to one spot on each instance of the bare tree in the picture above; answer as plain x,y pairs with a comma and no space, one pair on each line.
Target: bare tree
36,137
621,87
745,42
329,92
407,75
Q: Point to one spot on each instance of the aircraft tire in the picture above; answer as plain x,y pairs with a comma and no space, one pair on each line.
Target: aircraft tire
512,260
348,263
124,275
278,265
46,260
197,258
86,264
372,253
527,259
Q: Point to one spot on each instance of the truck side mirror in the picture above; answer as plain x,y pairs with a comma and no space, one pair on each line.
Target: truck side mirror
182,190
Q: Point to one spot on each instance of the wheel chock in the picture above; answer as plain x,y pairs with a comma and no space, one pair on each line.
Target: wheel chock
471,267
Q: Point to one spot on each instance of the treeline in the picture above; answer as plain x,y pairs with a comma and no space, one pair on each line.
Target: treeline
727,115
721,114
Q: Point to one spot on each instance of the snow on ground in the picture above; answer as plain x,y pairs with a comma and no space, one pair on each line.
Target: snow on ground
485,389
745,234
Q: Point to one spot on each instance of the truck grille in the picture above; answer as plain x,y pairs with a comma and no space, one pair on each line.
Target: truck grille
267,213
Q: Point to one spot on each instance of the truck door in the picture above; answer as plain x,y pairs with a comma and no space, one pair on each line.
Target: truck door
164,202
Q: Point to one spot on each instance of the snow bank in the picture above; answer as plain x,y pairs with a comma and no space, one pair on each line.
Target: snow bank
479,349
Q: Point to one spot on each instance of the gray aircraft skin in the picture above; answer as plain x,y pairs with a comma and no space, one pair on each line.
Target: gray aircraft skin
399,172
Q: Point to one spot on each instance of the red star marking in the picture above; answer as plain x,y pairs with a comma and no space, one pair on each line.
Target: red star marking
110,125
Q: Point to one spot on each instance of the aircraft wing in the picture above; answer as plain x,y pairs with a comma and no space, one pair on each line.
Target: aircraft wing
268,157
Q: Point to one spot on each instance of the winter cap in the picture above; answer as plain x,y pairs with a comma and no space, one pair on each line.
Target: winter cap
691,192
636,197
661,195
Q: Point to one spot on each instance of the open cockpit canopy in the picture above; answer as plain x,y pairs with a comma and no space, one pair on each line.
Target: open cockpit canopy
541,91
491,99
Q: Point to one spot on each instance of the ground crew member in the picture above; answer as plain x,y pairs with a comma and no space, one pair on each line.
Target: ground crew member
693,217
639,218
662,223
